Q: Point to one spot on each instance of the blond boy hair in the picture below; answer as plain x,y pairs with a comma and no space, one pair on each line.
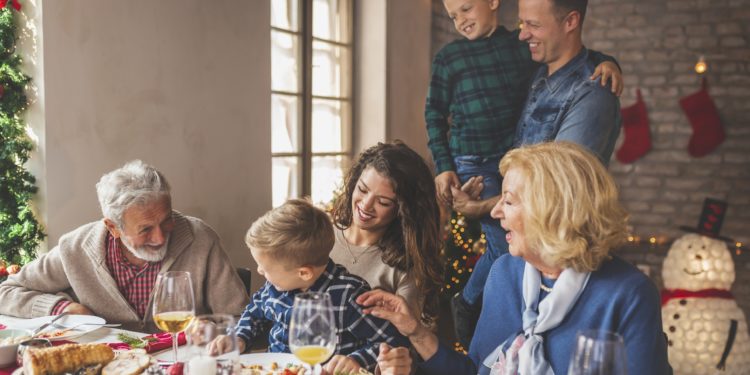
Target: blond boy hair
296,233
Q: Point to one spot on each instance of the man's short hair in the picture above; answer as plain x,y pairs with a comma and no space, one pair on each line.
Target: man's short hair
296,233
563,7
134,184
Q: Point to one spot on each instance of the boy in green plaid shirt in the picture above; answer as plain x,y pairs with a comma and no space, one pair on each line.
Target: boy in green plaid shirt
477,90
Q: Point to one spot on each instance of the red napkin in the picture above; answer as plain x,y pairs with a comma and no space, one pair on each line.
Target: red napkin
157,341
9,370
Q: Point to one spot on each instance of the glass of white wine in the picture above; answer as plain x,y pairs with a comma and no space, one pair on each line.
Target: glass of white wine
174,303
312,330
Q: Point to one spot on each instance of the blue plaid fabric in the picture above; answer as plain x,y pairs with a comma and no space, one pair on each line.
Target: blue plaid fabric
359,335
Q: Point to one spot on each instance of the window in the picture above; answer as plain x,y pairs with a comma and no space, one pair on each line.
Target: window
311,116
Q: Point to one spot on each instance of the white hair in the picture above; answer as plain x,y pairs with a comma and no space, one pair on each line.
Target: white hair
135,183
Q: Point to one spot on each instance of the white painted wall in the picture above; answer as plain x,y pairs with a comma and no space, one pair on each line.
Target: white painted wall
182,84
370,73
408,67
392,70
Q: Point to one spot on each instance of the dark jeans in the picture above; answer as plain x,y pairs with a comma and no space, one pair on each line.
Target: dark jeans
467,305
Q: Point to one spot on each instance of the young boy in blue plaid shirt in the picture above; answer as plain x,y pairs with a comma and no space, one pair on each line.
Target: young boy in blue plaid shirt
291,244
477,91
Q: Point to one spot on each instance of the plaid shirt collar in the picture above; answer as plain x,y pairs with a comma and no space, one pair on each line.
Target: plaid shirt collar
135,283
325,279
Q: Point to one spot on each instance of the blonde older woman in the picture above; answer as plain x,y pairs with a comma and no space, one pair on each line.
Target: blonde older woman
560,209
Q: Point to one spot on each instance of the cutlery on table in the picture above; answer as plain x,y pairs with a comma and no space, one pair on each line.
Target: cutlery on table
45,325
64,329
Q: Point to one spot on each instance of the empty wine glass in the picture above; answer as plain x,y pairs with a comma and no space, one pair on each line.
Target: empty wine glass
174,303
598,352
202,335
312,330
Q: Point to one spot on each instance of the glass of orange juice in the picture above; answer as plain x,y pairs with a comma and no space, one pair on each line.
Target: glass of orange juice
174,303
312,329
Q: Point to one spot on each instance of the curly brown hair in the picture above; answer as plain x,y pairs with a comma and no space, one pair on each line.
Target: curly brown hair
411,242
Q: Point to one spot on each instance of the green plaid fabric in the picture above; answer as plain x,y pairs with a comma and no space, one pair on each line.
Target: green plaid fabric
476,94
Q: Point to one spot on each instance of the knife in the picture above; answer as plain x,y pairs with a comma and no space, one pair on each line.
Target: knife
45,325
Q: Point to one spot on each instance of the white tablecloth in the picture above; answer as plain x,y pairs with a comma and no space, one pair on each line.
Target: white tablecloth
102,335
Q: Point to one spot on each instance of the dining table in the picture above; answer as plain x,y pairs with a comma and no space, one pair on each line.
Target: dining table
105,335
162,352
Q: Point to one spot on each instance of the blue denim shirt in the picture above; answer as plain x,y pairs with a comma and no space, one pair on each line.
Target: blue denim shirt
568,106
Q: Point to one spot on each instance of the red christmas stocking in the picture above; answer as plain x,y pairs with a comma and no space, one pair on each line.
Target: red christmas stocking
637,135
704,118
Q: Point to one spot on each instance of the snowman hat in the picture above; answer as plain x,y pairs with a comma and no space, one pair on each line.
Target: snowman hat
712,217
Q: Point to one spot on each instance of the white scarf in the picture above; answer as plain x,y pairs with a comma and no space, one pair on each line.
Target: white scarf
545,316
525,351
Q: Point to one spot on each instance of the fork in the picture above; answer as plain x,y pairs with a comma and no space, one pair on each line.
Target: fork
72,328
45,325
60,326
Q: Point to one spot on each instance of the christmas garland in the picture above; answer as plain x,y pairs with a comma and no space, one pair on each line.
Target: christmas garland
20,232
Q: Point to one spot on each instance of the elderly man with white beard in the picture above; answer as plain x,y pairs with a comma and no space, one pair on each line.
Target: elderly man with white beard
109,267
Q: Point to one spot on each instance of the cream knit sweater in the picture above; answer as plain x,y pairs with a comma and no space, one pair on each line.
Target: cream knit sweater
76,269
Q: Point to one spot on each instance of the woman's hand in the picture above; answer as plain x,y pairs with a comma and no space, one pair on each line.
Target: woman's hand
393,361
341,364
394,309
390,307
609,71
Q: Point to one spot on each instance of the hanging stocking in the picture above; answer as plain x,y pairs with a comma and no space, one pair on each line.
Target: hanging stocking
704,118
637,134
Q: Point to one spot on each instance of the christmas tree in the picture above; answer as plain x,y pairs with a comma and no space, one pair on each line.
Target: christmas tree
464,244
20,232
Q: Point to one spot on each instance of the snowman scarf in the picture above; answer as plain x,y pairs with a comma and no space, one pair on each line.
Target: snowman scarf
539,318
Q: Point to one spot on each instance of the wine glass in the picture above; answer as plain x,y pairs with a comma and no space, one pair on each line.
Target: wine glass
174,305
598,352
212,344
312,330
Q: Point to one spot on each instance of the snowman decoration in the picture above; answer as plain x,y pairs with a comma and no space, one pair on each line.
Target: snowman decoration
706,330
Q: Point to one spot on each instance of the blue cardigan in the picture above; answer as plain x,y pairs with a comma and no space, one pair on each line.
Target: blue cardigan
618,297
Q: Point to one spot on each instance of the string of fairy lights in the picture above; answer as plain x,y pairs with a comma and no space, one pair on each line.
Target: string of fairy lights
462,265
738,248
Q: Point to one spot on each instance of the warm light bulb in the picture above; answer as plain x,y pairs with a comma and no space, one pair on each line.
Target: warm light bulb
701,66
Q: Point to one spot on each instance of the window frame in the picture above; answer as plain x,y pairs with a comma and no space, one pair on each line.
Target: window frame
305,154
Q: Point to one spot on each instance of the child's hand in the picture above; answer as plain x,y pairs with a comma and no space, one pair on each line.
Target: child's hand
341,365
609,71
394,361
443,183
223,344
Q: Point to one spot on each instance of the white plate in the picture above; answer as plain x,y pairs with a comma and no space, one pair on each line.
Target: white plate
266,359
65,321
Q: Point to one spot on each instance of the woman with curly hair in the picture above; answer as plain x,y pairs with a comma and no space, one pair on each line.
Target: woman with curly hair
387,226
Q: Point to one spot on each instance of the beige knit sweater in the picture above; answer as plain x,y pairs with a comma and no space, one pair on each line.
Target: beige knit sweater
370,266
76,269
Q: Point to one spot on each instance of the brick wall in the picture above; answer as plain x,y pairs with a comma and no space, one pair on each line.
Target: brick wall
657,43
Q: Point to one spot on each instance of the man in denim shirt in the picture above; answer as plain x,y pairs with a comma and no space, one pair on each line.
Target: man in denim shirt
563,103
